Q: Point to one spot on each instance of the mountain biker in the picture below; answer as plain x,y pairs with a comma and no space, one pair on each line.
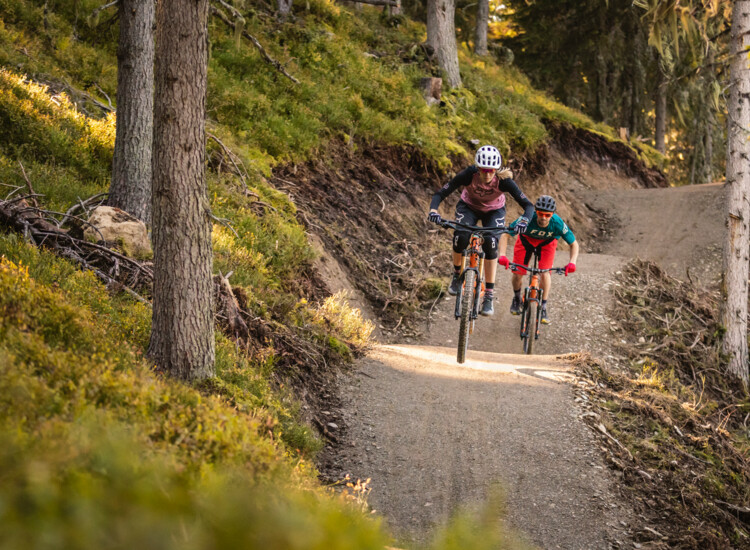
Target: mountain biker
542,233
482,198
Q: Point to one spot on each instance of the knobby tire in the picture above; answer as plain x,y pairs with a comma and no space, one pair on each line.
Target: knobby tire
467,304
531,321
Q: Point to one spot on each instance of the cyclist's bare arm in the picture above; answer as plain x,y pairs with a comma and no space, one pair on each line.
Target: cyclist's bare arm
574,252
502,246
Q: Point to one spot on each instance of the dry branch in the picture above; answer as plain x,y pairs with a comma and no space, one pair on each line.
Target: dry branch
118,271
79,97
228,308
278,66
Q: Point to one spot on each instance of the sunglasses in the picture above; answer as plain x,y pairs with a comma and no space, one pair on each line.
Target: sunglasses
543,215
486,170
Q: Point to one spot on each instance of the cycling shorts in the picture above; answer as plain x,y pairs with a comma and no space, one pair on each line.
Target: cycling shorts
524,248
467,215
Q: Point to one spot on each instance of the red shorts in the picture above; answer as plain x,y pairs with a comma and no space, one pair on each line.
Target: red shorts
522,255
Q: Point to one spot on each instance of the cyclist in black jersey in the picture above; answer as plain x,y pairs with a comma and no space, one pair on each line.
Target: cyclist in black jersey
482,199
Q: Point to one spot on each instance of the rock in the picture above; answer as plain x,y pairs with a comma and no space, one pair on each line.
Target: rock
117,226
432,89
333,425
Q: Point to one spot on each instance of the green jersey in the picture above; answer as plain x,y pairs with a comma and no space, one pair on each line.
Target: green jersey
557,228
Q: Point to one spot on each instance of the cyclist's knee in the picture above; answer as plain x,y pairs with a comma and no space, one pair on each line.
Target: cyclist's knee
490,247
460,241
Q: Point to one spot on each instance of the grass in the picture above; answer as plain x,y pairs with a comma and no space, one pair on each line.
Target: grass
344,93
97,450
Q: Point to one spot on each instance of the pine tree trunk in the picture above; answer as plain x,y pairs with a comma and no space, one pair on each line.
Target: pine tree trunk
441,35
660,109
602,89
734,310
130,189
182,332
708,147
285,8
483,18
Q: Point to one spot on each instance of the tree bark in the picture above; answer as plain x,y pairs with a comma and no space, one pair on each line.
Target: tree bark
182,332
130,188
660,110
285,8
734,288
483,18
441,35
708,148
602,89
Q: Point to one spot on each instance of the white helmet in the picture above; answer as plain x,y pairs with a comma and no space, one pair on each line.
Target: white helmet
488,157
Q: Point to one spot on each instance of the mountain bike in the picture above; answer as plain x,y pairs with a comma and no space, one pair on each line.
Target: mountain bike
470,294
531,314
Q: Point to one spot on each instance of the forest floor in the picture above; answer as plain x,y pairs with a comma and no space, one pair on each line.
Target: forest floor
434,436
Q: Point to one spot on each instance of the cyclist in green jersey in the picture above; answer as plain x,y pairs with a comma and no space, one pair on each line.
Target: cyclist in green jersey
542,234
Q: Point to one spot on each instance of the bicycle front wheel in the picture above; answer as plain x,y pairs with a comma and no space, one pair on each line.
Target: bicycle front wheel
467,305
530,320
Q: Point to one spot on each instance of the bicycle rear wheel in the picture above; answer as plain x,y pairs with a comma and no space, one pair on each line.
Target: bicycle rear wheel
467,304
530,320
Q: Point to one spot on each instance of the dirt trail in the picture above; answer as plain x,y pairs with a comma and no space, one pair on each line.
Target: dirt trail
434,435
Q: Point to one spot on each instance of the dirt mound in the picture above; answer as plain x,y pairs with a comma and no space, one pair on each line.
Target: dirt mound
616,156
369,212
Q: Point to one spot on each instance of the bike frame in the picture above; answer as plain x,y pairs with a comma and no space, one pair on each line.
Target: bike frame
472,259
533,293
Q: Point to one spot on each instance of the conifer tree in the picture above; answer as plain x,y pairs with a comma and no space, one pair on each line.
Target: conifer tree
699,19
737,243
182,331
483,17
441,35
130,188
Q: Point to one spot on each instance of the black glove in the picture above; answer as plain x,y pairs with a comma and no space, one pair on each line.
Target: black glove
521,225
434,217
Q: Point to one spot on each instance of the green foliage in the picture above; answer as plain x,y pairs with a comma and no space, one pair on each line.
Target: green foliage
480,529
609,59
96,486
59,145
91,439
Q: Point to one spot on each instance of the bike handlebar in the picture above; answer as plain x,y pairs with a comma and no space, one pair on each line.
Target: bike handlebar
453,224
558,270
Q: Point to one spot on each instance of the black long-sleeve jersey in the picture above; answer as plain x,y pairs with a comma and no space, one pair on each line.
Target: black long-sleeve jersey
465,177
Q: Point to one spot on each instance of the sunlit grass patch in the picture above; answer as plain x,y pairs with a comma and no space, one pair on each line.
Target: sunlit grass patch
346,321
48,128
